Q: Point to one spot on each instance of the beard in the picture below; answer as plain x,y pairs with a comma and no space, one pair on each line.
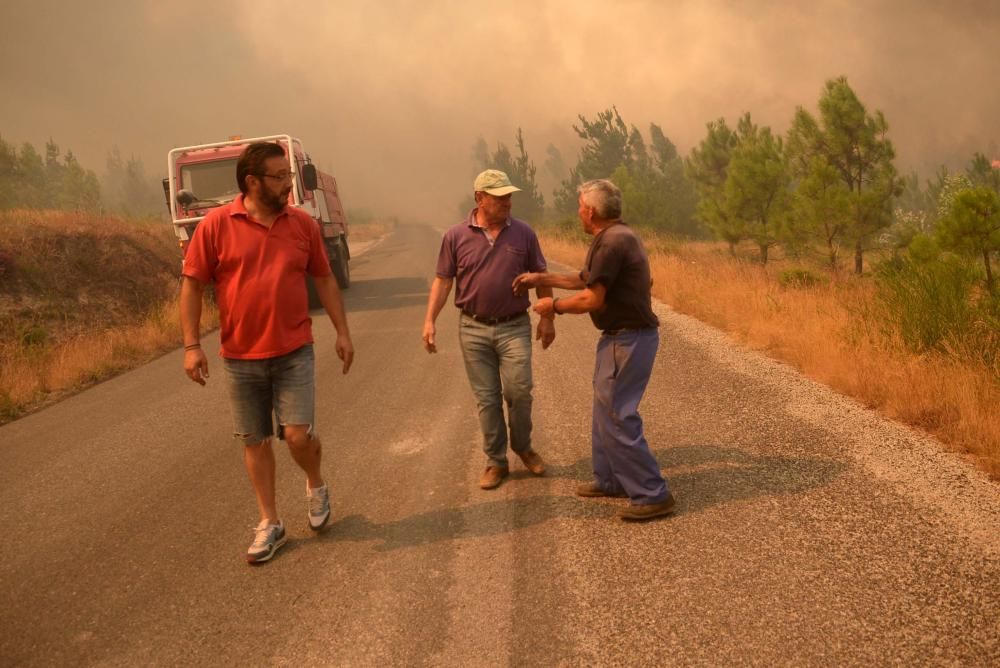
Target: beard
275,203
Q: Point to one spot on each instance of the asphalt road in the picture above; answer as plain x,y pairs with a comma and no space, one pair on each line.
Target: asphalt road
809,531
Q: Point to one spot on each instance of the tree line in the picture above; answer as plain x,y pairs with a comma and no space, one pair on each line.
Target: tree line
828,185
56,180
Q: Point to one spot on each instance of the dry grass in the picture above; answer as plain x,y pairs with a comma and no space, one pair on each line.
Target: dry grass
86,296
34,376
82,297
824,331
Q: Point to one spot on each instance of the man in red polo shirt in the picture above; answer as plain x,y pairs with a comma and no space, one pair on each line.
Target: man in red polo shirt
257,251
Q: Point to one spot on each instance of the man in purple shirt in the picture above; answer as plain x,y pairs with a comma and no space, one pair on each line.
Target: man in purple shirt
483,255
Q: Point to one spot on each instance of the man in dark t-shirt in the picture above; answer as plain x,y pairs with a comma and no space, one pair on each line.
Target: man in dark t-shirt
614,289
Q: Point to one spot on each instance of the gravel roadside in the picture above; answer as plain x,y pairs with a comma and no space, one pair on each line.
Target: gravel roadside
916,465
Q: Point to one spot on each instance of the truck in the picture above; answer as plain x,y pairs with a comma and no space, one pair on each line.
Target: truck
202,177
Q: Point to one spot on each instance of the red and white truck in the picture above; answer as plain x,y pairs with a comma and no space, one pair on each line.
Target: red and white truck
204,176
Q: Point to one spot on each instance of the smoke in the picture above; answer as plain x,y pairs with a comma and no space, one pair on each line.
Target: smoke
390,96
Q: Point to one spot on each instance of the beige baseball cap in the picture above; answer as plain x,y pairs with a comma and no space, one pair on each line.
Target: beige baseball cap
494,182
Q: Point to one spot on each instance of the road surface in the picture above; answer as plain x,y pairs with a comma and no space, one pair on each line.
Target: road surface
808,532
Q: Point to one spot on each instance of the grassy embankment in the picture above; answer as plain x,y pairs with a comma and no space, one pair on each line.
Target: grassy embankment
82,297
827,331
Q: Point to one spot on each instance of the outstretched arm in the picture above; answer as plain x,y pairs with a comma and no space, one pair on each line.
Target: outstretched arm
546,280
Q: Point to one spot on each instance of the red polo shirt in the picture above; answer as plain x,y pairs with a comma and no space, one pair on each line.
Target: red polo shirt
259,276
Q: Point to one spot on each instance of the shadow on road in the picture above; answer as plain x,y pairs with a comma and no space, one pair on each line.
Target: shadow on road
701,476
382,294
707,475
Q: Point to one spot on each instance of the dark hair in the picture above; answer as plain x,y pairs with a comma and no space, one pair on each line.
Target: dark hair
252,161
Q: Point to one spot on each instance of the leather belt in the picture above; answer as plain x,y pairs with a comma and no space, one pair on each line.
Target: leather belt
613,332
494,321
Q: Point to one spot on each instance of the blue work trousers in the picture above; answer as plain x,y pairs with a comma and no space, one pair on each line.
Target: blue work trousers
621,457
498,363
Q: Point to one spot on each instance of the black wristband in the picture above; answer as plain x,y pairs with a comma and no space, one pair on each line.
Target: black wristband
192,346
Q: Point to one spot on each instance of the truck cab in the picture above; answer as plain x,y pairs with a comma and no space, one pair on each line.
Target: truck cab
203,176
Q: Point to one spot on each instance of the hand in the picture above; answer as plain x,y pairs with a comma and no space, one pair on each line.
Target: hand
429,333
546,332
196,365
345,350
543,307
524,282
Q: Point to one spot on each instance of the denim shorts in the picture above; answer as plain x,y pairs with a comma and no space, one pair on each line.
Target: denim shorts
281,385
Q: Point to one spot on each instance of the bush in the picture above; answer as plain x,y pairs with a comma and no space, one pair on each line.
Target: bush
568,225
928,302
34,335
800,278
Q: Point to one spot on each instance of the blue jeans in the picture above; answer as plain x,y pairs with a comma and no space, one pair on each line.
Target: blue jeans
283,385
621,457
498,363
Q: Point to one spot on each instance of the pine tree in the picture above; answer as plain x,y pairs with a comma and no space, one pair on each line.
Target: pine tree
756,188
112,186
9,176
680,200
855,144
981,172
80,189
555,166
607,146
821,204
135,189
973,226
32,182
708,166
529,203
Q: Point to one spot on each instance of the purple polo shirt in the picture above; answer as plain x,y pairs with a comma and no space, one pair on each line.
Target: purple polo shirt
485,272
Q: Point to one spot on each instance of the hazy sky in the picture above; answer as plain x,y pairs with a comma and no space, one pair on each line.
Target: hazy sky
391,95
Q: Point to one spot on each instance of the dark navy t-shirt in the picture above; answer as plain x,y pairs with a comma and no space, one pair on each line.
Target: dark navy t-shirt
618,260
484,273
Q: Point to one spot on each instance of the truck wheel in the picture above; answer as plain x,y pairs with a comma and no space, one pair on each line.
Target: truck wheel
338,263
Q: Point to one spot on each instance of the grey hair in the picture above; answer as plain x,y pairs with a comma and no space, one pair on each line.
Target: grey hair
604,196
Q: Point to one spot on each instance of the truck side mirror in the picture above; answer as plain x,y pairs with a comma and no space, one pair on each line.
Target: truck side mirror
166,192
309,180
186,198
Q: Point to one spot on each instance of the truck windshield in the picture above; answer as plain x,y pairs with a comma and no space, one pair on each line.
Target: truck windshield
211,181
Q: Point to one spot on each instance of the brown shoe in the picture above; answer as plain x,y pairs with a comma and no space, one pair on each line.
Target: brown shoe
533,462
647,511
592,489
492,477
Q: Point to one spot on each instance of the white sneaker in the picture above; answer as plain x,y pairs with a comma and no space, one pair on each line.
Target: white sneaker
266,541
319,507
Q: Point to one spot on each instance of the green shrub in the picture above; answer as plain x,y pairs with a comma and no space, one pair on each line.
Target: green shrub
928,302
8,409
33,336
800,278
